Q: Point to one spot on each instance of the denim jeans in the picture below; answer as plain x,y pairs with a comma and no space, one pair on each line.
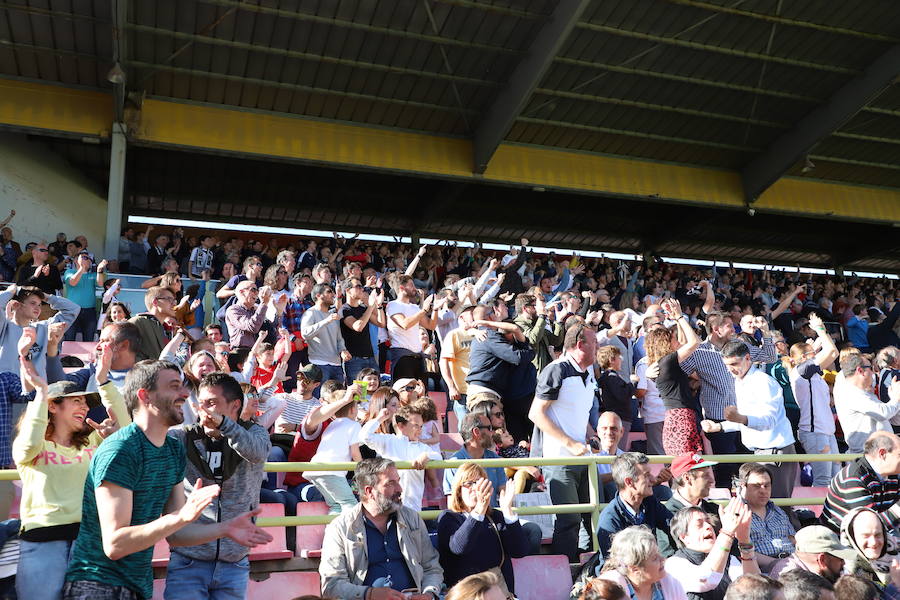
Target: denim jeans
459,407
94,590
568,484
189,579
330,372
85,323
306,492
356,364
820,443
42,569
336,492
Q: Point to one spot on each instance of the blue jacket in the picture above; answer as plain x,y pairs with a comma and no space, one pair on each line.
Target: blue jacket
493,362
616,517
468,546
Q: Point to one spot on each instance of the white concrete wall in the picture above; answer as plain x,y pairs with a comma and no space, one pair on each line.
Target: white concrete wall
48,195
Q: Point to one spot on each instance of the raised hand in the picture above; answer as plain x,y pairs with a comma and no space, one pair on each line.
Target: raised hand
483,490
26,341
507,495
197,500
245,532
108,427
104,355
31,377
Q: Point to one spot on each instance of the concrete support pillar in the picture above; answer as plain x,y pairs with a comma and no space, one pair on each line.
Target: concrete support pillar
116,190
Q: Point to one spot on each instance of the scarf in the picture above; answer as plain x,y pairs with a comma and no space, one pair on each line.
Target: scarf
696,558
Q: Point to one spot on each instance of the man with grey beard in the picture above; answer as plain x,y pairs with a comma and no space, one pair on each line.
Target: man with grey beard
363,557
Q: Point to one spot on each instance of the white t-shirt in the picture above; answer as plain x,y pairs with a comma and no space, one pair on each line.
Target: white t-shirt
410,339
398,447
570,391
335,445
652,408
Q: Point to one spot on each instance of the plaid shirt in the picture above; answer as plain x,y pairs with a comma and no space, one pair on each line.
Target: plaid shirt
293,313
717,389
10,391
772,535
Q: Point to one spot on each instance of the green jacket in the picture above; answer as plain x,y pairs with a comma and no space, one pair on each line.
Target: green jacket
540,338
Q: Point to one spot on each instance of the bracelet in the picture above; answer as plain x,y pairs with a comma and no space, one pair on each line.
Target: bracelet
748,546
728,533
748,556
725,548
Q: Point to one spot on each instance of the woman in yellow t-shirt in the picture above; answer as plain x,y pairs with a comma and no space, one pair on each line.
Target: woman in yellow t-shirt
52,451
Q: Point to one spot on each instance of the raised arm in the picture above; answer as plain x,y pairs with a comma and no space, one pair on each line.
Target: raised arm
783,305
710,300
829,352
692,342
322,413
415,261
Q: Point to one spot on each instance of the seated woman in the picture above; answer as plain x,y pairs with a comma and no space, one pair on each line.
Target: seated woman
473,537
876,548
634,562
481,586
703,563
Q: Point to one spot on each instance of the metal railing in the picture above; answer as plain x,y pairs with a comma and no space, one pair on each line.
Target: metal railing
593,506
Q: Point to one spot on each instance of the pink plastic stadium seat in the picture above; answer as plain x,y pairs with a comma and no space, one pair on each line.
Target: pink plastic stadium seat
285,586
451,442
440,402
810,492
542,577
277,548
310,537
452,422
161,553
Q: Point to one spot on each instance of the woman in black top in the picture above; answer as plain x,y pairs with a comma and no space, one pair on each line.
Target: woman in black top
666,352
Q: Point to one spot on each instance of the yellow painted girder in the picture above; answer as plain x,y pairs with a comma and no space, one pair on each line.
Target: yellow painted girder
221,129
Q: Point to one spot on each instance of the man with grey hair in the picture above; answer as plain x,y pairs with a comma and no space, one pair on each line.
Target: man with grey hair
379,548
858,409
634,503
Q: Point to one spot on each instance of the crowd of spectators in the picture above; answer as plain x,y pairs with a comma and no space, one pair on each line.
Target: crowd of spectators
334,350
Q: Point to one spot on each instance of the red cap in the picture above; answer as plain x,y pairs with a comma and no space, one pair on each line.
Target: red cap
689,462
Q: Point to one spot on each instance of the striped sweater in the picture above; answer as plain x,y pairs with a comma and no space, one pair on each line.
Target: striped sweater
858,485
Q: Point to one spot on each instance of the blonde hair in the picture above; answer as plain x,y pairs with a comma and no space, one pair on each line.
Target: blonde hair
606,355
467,472
473,587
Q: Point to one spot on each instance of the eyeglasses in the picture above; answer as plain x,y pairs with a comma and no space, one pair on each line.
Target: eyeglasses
251,289
166,299
409,388
864,367
468,484
488,427
281,272
41,250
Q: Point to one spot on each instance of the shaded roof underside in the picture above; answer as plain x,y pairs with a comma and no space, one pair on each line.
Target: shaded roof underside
700,82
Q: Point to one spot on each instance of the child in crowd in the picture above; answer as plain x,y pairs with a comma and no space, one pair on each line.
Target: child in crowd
431,429
402,446
524,475
340,443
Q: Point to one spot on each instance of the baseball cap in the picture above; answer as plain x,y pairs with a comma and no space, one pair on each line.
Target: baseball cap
402,383
817,539
689,462
311,372
69,389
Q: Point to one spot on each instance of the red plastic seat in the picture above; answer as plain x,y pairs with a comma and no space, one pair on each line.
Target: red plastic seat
542,577
161,553
440,402
277,548
634,436
451,442
310,537
285,586
452,422
810,492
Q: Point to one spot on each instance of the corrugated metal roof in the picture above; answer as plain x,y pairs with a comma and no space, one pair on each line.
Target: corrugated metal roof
699,82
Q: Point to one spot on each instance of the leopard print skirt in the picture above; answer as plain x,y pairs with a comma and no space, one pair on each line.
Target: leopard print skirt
681,434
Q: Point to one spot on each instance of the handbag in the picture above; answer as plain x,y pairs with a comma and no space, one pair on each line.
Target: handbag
501,580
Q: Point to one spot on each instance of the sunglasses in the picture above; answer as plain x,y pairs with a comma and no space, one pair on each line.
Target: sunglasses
41,250
409,388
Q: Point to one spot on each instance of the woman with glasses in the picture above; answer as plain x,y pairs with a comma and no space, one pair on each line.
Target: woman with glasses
472,536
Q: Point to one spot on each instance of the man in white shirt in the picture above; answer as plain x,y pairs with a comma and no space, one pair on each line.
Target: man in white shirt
758,414
860,412
562,402
404,319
